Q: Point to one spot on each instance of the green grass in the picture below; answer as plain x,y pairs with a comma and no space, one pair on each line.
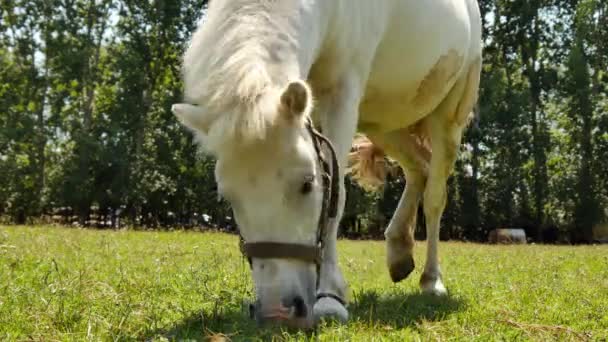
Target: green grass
72,284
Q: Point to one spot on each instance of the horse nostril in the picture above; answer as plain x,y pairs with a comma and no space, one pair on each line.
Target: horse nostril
300,307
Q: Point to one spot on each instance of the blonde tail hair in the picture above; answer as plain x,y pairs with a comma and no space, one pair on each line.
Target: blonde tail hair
368,165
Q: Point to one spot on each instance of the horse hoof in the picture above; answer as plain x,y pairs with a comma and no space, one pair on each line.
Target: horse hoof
329,309
432,286
401,268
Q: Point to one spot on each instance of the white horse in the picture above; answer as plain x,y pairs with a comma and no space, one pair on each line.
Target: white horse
403,72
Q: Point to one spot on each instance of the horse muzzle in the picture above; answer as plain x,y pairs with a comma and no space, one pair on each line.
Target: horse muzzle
292,312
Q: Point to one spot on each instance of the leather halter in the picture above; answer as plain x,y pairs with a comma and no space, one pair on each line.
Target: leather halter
329,210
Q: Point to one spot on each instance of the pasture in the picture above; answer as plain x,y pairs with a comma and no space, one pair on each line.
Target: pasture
72,284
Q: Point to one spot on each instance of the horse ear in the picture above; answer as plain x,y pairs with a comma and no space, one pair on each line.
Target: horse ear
296,98
191,116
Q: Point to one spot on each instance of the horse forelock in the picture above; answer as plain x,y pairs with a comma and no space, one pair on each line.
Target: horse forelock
226,69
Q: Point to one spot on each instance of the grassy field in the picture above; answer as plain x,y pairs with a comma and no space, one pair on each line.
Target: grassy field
72,284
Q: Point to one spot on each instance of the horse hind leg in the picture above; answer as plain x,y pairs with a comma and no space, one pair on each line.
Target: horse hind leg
445,127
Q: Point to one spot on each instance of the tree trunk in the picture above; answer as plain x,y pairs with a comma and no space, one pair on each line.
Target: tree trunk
529,50
474,205
89,77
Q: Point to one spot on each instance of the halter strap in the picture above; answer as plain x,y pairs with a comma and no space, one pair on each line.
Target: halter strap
279,250
329,210
335,177
332,296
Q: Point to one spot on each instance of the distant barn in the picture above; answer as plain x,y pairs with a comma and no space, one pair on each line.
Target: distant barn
507,236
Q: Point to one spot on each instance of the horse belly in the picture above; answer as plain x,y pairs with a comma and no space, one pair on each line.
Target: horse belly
417,63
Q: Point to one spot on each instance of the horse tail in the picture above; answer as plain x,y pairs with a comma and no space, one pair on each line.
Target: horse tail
368,165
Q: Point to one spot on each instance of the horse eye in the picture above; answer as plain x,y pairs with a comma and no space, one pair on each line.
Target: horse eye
307,186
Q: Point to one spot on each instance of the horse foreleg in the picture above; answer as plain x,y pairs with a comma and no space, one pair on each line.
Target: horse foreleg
413,159
338,111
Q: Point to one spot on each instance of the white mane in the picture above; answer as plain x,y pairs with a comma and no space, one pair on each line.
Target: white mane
228,66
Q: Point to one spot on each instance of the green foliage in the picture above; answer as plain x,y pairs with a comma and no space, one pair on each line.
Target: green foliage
74,284
529,154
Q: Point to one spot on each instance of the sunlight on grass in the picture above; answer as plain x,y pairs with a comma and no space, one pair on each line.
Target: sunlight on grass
72,284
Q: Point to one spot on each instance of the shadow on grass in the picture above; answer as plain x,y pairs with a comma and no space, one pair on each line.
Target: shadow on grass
369,307
231,325
402,310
